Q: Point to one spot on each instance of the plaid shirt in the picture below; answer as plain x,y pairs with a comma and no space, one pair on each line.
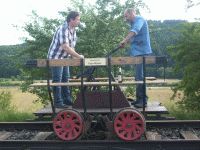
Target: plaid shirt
61,36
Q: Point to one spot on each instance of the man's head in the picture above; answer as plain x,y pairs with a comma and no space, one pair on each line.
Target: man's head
129,14
73,18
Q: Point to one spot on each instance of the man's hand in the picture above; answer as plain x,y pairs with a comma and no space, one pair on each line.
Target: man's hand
81,56
122,44
126,39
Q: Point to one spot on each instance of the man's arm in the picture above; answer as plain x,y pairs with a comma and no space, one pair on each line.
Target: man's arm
71,51
127,39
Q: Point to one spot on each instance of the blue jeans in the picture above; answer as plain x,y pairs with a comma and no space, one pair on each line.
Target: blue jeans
61,94
139,75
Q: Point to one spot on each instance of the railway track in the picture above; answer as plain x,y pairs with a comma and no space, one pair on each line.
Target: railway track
159,135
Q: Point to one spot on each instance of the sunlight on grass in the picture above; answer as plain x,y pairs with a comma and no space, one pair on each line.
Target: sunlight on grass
24,102
160,94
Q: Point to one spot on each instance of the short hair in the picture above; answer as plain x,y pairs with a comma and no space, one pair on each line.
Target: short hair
72,15
130,10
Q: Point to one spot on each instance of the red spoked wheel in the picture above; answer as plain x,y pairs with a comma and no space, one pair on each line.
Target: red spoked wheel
129,124
68,125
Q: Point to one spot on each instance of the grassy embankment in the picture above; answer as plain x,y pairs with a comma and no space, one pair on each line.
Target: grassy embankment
15,105
163,95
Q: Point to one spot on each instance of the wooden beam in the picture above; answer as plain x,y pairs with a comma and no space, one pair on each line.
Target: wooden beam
77,62
58,62
106,83
106,78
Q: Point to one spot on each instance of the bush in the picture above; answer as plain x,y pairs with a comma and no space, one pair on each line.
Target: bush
5,101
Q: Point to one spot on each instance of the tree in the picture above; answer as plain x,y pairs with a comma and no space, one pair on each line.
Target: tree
102,29
186,55
8,60
192,3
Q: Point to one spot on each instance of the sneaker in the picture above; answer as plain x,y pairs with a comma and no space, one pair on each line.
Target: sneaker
60,106
69,103
140,105
137,102
134,102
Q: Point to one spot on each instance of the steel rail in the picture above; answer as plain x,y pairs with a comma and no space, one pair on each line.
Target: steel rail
47,125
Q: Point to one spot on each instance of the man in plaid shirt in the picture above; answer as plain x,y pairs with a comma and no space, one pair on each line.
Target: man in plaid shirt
62,46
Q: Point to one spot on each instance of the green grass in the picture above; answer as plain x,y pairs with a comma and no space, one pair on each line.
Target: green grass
23,101
13,115
163,95
9,82
15,105
181,114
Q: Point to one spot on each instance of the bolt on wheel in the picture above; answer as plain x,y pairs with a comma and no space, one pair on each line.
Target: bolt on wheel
68,125
129,124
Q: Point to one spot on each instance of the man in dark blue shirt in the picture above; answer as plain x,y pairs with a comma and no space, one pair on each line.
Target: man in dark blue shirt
139,39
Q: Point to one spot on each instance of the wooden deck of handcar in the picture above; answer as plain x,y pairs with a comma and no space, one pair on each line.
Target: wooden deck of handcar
153,110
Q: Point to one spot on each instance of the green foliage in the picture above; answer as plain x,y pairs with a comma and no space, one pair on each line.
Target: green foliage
8,63
183,114
5,101
130,91
9,112
9,82
186,55
11,116
164,34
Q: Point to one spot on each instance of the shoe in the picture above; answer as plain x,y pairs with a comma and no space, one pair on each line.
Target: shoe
61,106
140,105
134,102
69,103
137,101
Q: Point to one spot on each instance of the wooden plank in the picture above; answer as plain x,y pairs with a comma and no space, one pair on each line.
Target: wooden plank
152,108
133,60
58,62
41,136
106,78
152,135
105,83
4,135
189,135
126,60
114,61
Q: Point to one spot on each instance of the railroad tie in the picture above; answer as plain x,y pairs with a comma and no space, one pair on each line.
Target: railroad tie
41,136
189,135
152,135
4,135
